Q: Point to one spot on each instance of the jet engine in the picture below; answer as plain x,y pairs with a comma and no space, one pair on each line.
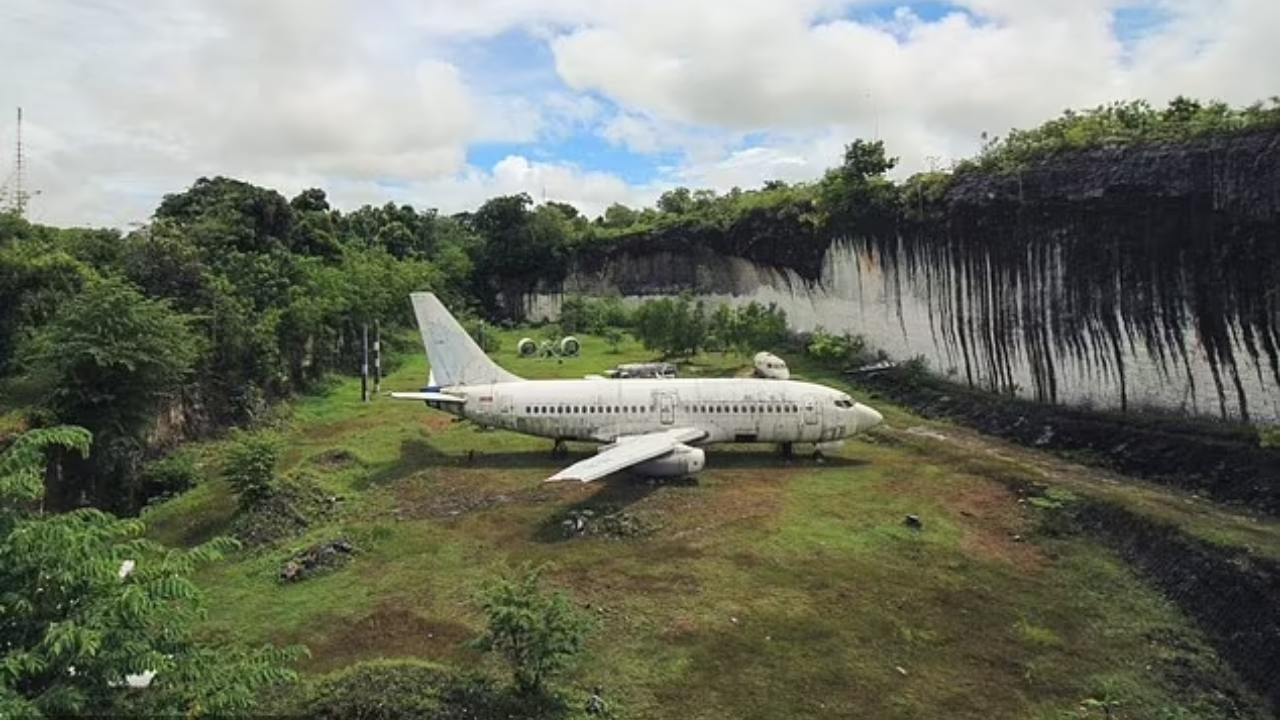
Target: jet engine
570,347
527,347
682,461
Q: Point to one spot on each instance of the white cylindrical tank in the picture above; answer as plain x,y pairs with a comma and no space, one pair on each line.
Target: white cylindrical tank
527,347
570,346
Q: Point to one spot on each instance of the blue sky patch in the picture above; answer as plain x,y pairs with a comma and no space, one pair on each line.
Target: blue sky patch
1133,23
587,151
885,11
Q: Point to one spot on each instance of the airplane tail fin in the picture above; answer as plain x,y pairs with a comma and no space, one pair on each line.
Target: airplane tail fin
455,358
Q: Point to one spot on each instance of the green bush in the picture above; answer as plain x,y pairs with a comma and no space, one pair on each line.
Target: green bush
539,634
841,350
582,314
171,475
250,467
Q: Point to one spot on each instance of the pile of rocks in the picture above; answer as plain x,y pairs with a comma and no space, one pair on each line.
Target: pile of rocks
316,559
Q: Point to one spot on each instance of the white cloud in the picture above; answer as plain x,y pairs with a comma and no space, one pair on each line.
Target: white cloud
130,99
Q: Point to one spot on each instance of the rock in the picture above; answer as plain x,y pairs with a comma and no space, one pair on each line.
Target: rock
316,558
914,522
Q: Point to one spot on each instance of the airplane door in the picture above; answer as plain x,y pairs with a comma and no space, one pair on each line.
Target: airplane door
504,404
666,409
810,411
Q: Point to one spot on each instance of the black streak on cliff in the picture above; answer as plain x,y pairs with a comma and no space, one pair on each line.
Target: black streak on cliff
1093,254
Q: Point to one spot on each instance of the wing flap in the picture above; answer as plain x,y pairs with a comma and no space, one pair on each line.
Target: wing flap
625,452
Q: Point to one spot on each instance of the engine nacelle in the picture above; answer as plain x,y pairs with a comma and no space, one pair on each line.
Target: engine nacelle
527,347
570,347
682,461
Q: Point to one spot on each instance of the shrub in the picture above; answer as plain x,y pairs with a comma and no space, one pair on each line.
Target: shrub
170,475
843,349
538,634
250,467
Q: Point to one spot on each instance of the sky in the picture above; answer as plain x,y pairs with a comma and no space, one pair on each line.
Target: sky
444,103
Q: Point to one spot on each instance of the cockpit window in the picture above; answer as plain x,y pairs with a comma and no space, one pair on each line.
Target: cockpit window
844,403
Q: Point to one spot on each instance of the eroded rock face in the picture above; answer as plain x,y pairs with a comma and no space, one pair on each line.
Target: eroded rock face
1097,255
1085,264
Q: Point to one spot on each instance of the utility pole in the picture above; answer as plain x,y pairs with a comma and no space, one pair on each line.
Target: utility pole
377,357
364,362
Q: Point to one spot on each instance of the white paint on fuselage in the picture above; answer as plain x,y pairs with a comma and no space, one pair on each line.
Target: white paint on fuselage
727,409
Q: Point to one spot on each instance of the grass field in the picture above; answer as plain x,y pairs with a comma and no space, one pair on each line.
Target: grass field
763,590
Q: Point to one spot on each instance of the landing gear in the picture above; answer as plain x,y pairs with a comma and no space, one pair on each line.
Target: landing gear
559,449
818,457
788,451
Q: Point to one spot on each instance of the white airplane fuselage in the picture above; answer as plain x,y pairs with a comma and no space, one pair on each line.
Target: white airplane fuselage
727,409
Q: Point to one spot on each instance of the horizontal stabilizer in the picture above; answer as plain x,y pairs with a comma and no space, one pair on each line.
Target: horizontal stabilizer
428,397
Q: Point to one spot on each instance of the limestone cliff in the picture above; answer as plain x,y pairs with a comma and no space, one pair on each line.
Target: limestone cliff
1167,251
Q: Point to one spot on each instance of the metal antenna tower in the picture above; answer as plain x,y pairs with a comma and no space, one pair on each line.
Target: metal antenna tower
15,195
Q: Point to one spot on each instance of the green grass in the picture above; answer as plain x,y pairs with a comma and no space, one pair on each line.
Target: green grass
766,590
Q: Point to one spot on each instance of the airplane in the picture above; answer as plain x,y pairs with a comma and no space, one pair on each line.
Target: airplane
651,427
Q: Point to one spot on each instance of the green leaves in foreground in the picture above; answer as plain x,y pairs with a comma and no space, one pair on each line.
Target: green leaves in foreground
86,602
537,633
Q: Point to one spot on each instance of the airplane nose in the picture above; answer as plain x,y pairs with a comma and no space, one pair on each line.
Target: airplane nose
867,417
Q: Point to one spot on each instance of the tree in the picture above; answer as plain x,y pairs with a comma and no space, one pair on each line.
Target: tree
538,634
857,193
758,327
86,602
222,213
619,216
250,468
673,327
35,280
520,247
579,314
109,360
677,201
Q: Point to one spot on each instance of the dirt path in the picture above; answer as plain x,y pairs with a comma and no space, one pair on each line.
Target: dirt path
1019,466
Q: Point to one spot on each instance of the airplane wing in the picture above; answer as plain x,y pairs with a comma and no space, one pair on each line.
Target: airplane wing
427,396
627,451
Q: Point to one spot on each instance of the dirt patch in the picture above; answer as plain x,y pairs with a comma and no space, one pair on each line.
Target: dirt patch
739,496
391,630
437,423
993,524
419,498
336,459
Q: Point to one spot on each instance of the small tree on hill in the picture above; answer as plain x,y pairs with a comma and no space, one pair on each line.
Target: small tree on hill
250,467
538,634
